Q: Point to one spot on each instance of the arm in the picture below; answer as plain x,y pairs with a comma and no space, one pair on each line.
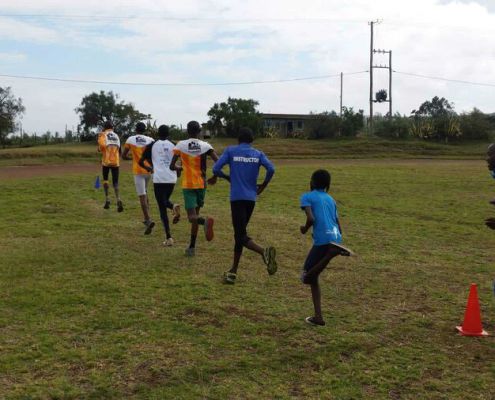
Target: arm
310,220
125,154
340,227
270,171
147,157
214,156
98,144
222,161
173,164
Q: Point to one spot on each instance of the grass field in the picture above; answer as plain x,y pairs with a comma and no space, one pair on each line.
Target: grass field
275,148
92,309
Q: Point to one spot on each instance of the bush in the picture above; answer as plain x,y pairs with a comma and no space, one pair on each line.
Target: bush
397,127
323,126
436,120
475,125
352,122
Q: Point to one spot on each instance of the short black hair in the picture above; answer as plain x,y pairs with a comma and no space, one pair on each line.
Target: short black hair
321,180
163,131
193,128
140,127
246,135
108,125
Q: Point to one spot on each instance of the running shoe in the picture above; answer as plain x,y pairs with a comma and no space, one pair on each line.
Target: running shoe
313,321
107,205
176,212
169,242
190,252
269,255
120,206
209,228
343,251
149,226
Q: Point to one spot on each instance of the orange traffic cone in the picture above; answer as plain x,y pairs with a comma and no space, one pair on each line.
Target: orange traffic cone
472,317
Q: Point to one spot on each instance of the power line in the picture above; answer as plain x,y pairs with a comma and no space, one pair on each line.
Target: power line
178,19
40,78
445,79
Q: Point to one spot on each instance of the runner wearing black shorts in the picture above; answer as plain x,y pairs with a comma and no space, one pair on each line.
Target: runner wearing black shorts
245,162
109,147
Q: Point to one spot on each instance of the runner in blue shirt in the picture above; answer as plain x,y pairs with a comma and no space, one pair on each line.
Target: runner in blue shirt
244,162
321,214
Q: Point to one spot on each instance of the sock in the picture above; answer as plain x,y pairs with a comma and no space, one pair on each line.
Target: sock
193,242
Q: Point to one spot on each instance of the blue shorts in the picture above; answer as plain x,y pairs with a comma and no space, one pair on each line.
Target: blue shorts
315,255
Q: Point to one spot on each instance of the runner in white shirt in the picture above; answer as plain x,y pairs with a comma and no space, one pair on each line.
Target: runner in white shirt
158,155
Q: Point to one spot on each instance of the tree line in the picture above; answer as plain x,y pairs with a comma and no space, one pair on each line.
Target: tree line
434,120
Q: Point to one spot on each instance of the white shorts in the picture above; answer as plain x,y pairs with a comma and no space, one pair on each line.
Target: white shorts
141,183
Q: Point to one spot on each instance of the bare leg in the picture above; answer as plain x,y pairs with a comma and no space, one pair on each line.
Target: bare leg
117,192
195,220
253,246
105,188
316,295
322,264
143,200
235,263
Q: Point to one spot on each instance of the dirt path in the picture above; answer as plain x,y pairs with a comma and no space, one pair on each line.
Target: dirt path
33,171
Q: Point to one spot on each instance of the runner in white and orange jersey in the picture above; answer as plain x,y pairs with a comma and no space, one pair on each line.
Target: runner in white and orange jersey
192,154
136,145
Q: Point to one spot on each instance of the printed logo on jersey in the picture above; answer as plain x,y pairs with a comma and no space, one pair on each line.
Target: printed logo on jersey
194,147
246,159
141,140
112,138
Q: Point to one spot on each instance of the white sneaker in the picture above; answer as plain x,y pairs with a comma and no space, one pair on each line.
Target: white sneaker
169,242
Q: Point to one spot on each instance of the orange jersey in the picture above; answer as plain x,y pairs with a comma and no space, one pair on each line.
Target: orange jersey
136,144
192,154
109,146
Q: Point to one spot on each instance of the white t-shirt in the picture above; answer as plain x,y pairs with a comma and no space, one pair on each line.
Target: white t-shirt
161,155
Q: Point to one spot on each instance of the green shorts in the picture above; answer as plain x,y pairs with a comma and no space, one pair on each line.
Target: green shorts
194,198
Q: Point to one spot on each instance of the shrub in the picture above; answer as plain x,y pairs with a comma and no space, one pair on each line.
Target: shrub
397,127
475,125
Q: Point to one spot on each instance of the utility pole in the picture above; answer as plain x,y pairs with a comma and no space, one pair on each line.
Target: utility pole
390,71
341,91
390,84
372,25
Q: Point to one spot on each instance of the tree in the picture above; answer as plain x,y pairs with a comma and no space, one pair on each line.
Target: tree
96,108
323,125
475,125
436,119
10,109
228,117
352,122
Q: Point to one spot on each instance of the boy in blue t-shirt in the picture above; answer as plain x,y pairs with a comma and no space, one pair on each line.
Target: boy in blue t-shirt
321,214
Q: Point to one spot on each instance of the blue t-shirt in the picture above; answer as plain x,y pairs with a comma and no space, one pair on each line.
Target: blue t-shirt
244,162
325,227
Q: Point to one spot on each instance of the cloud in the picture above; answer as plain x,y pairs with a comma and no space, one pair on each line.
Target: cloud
12,58
12,29
234,40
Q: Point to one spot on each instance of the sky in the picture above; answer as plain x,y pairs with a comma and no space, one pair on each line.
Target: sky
221,41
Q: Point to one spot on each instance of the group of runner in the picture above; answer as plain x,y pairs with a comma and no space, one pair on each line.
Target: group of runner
163,162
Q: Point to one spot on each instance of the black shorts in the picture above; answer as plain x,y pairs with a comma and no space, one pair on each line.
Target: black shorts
242,210
115,174
315,255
